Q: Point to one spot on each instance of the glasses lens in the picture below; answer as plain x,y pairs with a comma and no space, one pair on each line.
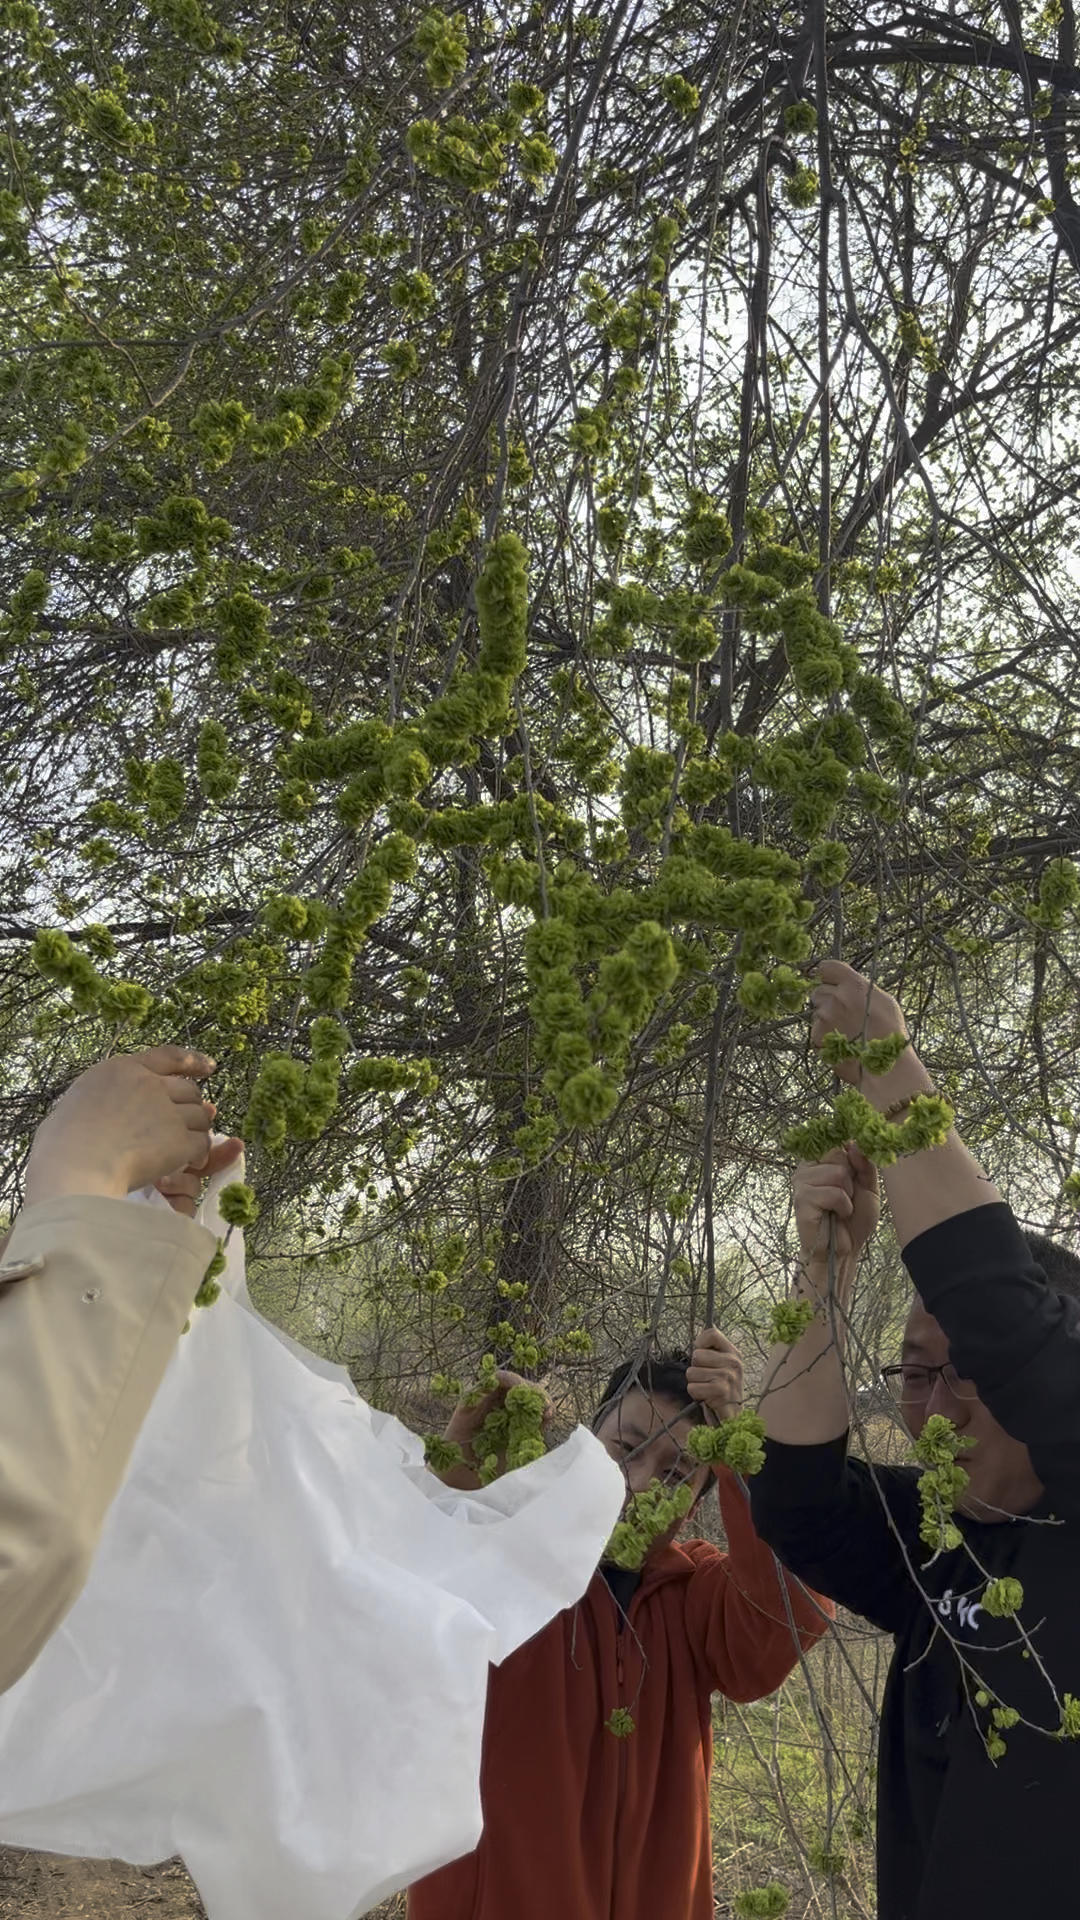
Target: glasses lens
963,1389
909,1383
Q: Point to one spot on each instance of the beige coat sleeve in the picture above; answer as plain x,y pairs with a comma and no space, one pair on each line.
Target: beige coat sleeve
93,1296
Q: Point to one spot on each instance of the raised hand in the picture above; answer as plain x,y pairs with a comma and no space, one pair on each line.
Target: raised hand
846,1002
127,1122
842,1188
715,1374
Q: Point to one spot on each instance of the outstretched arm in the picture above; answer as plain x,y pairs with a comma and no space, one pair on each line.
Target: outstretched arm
804,1397
93,1295
1008,1331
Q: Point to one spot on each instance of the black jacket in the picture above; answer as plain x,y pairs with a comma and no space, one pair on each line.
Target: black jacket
958,1833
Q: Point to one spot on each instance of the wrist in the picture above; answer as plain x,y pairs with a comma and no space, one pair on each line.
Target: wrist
812,1282
902,1084
48,1178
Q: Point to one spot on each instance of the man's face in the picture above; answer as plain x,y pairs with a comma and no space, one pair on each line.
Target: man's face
646,1436
1001,1477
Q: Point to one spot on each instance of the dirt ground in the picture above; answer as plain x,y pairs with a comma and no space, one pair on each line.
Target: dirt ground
43,1886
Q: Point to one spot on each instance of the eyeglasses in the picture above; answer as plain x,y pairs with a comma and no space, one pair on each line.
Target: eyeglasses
907,1383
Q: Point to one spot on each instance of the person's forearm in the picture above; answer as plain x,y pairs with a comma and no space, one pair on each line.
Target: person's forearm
85,1338
923,1189
51,1175
461,1479
804,1401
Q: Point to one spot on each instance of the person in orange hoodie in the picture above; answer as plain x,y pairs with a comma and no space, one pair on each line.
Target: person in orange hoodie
581,1823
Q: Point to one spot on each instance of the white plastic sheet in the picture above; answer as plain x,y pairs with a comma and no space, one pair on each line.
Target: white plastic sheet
278,1667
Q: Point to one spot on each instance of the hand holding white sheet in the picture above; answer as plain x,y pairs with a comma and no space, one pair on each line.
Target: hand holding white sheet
278,1666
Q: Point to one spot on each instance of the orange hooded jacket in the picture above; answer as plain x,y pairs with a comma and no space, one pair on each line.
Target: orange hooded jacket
580,1824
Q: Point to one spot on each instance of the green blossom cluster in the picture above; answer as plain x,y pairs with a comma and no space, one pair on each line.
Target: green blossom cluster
218,770
706,533
183,524
219,427
237,1204
875,1056
681,620
26,604
941,1482
1003,1598
467,154
512,1432
57,958
738,1443
158,787
647,1515
235,992
1059,894
853,1118
244,625
788,1321
174,607
762,1903
308,408
379,763
441,40
366,899
801,117
680,94
209,1287
826,1859
1070,1718
384,1074
620,1722
479,701
190,22
800,187
583,1040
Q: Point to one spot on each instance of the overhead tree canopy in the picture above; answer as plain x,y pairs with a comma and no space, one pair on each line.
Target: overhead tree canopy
520,531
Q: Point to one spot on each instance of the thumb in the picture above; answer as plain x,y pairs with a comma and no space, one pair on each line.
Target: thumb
224,1154
864,1170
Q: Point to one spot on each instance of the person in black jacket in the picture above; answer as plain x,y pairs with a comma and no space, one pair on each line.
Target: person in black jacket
978,1783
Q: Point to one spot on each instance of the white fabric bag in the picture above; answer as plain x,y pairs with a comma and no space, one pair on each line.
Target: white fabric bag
278,1666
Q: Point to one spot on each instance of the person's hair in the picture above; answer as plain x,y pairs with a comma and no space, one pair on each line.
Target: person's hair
660,1375
1060,1265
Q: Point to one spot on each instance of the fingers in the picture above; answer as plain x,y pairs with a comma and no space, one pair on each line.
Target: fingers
866,1174
709,1367
182,1190
825,1186
199,1137
716,1379
186,1095
197,1113
177,1060
837,973
710,1339
834,1200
